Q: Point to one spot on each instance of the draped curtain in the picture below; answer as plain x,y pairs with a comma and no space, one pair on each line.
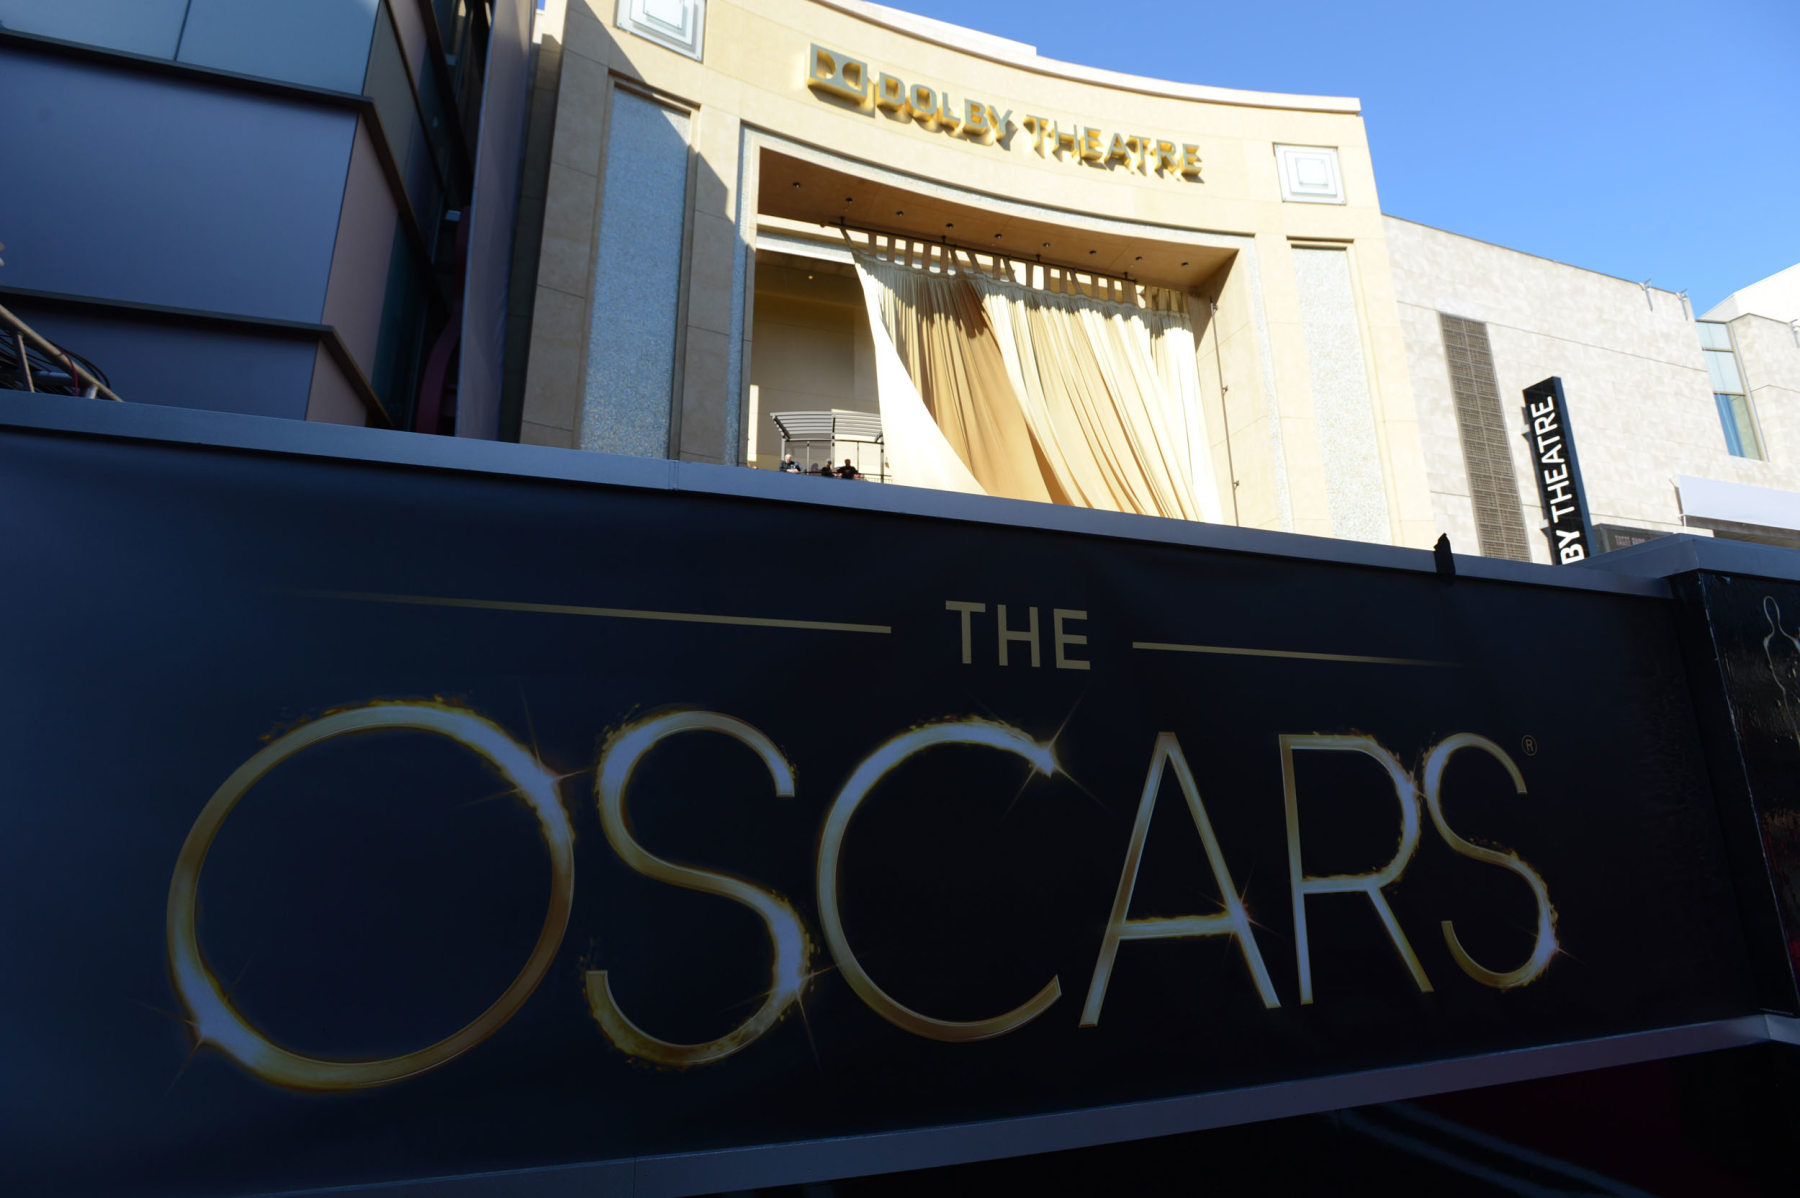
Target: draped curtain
917,452
1042,396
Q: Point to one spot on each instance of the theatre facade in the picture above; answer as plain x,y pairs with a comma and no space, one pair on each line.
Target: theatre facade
834,230
1088,287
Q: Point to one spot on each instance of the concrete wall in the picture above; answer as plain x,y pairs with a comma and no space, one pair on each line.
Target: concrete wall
1769,353
528,227
1776,297
1640,405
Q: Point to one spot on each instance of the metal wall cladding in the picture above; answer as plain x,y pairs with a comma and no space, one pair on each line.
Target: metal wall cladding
212,200
1486,444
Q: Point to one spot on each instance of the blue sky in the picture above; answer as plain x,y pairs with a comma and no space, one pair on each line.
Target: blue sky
1654,140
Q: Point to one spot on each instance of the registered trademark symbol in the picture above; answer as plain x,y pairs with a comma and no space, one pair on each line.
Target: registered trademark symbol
1529,744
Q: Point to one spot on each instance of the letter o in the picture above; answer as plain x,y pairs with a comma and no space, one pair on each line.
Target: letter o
218,1023
831,844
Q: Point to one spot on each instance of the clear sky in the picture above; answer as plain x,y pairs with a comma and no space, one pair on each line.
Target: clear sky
1655,139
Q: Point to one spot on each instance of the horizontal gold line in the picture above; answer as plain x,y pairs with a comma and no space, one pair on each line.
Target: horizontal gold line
616,613
1380,661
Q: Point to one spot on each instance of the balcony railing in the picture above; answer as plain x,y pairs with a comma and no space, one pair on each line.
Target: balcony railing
29,362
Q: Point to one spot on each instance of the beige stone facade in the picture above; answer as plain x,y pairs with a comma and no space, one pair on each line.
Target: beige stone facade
674,318
1198,202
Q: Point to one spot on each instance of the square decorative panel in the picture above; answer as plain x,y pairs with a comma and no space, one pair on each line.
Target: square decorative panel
1309,174
678,24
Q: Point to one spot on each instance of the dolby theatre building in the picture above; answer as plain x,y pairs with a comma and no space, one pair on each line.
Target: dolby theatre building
836,230
1045,281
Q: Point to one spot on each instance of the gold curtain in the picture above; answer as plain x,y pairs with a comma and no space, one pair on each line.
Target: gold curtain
942,337
1053,397
913,445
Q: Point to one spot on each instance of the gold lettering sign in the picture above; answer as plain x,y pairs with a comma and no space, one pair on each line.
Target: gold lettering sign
837,75
1304,884
831,849
211,1014
216,1022
787,938
1233,921
1544,945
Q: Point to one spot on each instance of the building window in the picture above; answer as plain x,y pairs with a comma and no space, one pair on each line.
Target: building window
1487,449
1729,392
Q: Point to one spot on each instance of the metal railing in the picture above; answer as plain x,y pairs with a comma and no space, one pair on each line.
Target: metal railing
831,429
29,362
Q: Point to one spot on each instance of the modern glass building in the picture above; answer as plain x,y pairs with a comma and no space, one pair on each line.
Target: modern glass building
296,210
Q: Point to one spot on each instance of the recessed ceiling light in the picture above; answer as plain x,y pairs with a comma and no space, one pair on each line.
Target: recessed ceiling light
949,224
1046,245
1184,264
1093,251
897,212
849,199
1140,257
796,183
996,237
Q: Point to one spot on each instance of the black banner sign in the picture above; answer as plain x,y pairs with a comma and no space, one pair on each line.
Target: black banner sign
1558,471
367,823
1748,630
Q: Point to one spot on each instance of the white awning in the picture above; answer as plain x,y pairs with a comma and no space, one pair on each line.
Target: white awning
1707,501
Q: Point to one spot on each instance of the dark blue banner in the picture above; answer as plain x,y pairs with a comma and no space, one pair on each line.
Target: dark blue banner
365,823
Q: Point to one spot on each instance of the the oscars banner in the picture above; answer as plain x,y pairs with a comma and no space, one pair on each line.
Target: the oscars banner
366,823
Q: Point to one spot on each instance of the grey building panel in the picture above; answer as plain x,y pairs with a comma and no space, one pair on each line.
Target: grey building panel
209,199
492,212
390,85
149,27
319,43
